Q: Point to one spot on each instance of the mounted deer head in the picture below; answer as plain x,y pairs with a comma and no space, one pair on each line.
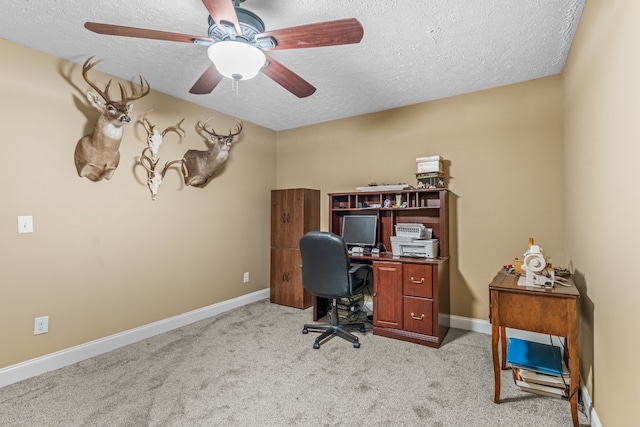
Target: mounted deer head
96,154
154,141
199,166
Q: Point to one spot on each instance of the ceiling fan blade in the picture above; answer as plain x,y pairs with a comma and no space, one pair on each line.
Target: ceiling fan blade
288,79
330,33
119,30
223,10
207,81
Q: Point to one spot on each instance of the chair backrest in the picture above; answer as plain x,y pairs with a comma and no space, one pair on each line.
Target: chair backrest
325,265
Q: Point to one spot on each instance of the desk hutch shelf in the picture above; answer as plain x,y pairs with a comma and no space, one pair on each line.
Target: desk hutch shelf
410,295
428,207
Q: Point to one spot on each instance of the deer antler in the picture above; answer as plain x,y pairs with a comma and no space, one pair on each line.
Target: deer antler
88,65
144,160
175,128
171,163
147,124
203,127
135,95
239,127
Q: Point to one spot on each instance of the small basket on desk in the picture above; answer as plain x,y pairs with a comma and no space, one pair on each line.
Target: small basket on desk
415,231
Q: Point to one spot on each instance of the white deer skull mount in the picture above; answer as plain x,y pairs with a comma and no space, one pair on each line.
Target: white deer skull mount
150,163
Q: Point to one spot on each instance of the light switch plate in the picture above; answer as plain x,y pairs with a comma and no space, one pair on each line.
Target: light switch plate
25,224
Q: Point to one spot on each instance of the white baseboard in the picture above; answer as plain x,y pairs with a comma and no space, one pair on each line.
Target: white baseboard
40,365
484,327
588,404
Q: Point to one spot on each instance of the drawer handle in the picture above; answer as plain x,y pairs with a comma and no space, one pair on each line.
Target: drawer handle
414,317
416,282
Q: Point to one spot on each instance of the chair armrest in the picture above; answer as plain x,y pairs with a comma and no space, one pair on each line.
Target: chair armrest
360,276
357,267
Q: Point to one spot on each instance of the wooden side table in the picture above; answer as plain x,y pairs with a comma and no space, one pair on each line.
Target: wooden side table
547,311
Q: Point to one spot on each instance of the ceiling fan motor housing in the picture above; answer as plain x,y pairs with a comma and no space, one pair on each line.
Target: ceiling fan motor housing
250,25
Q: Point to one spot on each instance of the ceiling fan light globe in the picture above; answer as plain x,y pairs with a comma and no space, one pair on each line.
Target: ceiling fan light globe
236,60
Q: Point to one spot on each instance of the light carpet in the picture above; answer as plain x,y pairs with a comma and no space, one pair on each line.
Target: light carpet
253,367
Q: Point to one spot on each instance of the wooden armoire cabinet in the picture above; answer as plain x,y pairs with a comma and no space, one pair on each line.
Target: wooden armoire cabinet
294,212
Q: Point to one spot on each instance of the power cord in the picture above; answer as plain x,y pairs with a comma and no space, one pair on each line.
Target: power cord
581,407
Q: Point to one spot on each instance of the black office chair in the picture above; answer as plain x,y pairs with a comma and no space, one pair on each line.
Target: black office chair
327,273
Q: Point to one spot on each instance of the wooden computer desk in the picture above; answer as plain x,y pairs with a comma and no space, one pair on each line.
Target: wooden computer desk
547,311
410,298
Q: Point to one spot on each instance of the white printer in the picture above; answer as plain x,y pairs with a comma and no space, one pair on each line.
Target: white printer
414,240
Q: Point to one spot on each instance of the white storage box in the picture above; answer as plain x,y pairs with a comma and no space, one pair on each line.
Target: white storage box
406,246
416,231
429,164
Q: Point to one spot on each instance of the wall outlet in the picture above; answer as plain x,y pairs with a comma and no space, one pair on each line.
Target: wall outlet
246,277
41,325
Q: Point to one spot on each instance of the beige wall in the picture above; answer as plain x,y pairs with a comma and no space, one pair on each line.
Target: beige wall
503,154
602,200
555,159
104,257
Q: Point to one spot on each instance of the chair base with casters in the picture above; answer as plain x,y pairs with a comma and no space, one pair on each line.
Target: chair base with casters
334,329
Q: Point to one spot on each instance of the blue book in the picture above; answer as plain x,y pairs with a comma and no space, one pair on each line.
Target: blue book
544,358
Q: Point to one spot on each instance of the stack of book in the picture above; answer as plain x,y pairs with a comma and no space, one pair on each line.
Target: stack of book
350,307
538,368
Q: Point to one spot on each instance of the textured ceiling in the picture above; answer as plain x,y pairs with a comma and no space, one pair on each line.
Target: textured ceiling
411,52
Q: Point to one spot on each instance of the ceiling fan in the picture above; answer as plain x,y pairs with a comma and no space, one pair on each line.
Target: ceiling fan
237,41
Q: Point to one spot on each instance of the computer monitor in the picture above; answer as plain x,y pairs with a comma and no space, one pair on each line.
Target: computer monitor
360,230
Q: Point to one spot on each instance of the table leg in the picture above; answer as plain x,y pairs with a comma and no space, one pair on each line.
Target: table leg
574,369
503,342
495,336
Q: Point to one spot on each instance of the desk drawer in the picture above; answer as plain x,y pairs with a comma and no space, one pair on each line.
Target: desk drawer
418,315
418,280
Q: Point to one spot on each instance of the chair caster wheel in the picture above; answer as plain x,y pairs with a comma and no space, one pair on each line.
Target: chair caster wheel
363,330
356,345
305,331
316,345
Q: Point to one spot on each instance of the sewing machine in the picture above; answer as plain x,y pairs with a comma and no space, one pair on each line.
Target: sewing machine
535,266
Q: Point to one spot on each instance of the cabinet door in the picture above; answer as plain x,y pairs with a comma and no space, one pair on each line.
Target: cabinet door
387,294
418,315
286,279
287,217
418,280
